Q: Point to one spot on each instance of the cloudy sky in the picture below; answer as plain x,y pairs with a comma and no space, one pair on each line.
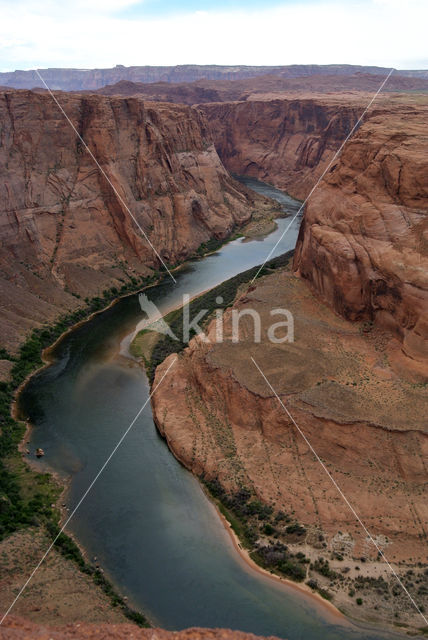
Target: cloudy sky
103,33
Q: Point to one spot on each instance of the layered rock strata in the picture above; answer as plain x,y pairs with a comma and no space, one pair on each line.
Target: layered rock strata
363,241
65,231
363,244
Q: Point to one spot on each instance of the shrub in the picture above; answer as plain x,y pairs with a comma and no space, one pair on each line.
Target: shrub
268,529
295,571
296,528
322,566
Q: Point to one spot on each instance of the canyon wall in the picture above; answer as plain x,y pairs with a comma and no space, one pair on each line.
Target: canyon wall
362,245
363,241
287,142
203,91
65,233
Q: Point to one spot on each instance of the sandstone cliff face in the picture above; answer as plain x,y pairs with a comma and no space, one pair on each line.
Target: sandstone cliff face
287,142
63,229
363,242
362,245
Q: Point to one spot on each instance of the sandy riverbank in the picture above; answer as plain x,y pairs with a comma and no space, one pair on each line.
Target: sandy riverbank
302,588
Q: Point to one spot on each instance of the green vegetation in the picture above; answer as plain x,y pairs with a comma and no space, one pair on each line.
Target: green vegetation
5,355
214,244
29,357
296,529
209,247
313,584
230,508
324,593
243,512
268,529
322,567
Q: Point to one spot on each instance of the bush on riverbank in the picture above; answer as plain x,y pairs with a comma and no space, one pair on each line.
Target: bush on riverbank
25,497
30,353
243,511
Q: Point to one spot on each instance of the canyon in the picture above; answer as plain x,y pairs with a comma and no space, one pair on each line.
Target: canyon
355,377
362,245
175,181
287,142
67,230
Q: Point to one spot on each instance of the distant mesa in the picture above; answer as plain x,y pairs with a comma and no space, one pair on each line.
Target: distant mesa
92,79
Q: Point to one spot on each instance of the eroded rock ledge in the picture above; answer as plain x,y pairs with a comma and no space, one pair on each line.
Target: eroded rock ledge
282,140
366,423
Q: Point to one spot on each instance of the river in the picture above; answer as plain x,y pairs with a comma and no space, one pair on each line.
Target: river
148,522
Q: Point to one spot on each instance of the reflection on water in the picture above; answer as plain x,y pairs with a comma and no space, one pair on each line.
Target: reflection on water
146,519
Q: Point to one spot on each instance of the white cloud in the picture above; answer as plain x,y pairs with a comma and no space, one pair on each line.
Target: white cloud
89,33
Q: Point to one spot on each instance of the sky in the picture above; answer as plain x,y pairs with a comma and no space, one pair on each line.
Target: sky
103,33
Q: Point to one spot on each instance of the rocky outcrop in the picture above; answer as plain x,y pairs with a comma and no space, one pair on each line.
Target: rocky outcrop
287,142
65,233
19,629
363,242
182,93
368,426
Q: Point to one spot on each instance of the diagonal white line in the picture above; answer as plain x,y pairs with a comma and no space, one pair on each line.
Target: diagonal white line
324,172
86,493
105,175
349,505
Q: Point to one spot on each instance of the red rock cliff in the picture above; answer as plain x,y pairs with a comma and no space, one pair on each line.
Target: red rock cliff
363,241
64,230
287,142
368,425
362,245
